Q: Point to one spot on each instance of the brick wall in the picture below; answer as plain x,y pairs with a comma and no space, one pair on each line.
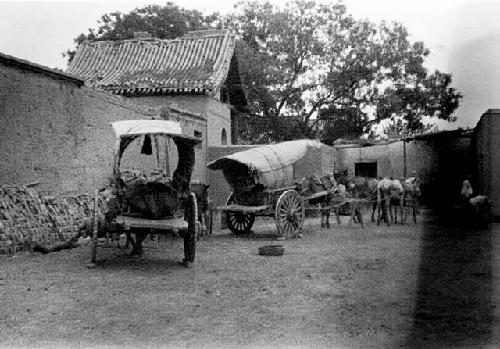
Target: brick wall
27,217
56,132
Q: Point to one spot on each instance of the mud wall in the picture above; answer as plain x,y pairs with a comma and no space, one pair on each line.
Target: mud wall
56,131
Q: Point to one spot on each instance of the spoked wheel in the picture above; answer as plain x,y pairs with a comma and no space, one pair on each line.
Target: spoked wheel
238,222
290,214
191,236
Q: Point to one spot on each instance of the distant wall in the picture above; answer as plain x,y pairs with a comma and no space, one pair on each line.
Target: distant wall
441,163
485,141
56,132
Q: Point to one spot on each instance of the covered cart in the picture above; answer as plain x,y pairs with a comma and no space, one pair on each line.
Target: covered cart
160,204
263,183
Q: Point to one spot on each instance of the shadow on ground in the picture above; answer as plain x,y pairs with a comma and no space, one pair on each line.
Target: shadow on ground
454,307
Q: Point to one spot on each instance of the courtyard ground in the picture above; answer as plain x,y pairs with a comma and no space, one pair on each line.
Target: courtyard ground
424,285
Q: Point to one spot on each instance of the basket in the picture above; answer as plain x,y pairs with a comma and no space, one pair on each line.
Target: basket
271,250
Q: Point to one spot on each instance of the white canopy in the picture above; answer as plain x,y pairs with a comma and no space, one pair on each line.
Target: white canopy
273,163
141,127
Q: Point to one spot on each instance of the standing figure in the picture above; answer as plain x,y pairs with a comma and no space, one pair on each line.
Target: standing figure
466,192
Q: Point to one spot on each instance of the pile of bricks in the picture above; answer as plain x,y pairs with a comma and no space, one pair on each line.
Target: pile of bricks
27,218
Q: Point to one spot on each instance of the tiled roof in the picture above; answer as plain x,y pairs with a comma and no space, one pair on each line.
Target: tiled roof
197,62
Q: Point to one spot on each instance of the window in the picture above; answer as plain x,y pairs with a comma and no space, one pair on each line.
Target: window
365,169
198,134
223,137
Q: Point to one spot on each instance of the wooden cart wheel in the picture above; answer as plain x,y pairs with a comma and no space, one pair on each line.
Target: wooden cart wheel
238,222
290,214
191,236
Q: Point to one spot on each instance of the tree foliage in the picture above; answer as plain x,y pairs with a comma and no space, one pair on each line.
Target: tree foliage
164,22
308,59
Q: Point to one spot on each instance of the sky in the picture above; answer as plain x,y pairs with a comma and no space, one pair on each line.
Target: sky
463,36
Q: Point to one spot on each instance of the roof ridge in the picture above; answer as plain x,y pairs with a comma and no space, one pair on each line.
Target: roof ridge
194,34
205,33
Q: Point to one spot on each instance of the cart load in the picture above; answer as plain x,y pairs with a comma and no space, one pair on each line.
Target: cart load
263,183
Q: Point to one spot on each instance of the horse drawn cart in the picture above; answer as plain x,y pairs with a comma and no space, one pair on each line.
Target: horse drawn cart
263,183
155,205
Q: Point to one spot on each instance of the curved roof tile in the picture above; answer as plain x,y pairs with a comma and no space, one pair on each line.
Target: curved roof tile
198,61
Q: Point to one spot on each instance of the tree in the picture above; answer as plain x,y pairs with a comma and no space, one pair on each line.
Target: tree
163,22
308,59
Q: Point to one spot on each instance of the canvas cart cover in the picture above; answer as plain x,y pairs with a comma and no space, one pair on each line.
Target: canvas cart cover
272,164
126,128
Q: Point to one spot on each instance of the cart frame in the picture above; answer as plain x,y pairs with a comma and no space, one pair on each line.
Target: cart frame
186,223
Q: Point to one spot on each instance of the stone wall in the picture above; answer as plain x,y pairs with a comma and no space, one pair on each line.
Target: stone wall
28,217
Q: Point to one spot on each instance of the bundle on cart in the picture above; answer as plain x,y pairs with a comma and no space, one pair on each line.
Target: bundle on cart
151,199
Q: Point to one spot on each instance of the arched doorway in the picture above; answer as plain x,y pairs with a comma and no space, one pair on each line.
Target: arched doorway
223,137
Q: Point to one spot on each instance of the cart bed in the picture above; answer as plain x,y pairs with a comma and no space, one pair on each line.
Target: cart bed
242,208
172,224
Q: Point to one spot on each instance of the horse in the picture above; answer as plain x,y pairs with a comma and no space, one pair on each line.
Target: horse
390,193
359,188
480,206
314,184
412,194
364,188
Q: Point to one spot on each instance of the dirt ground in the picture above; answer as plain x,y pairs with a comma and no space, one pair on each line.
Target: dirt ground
403,286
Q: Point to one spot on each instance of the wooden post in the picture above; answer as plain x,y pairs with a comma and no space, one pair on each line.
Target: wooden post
405,169
93,257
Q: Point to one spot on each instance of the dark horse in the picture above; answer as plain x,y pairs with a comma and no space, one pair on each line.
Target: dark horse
323,186
359,188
